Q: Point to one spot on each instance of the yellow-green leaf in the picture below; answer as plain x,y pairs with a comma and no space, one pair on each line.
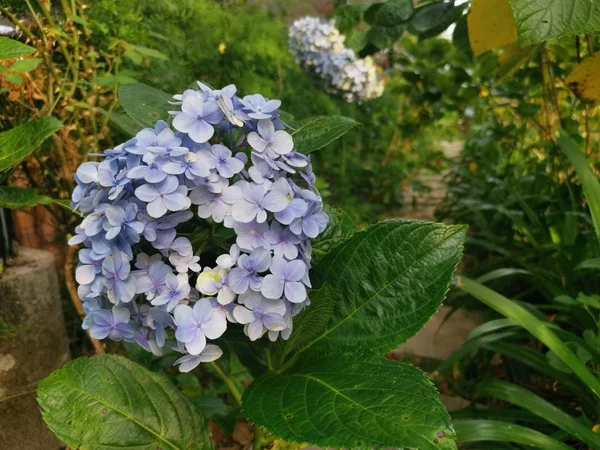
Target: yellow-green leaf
9,48
26,65
585,80
514,57
491,25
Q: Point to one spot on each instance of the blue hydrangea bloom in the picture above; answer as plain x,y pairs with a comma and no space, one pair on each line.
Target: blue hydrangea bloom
226,160
318,46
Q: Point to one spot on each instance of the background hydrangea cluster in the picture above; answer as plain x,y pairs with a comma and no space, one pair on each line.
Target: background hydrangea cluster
227,160
318,46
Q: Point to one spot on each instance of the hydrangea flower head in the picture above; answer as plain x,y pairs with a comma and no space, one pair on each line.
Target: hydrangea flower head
196,226
319,47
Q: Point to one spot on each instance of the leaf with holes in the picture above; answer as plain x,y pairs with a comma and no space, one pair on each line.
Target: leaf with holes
18,198
584,80
107,402
144,103
540,20
388,280
19,142
9,48
316,132
347,401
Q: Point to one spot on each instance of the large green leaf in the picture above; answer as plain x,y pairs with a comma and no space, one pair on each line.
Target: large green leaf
19,142
108,402
540,20
341,226
316,132
17,198
432,19
9,48
313,320
144,103
390,13
388,280
347,401
348,16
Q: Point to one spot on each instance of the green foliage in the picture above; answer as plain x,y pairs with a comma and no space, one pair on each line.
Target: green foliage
391,276
17,198
25,65
589,181
244,44
316,132
9,48
312,321
19,142
522,397
541,20
431,20
492,430
351,401
107,401
144,104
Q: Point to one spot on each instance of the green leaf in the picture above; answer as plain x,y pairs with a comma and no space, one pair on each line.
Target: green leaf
125,123
344,401
9,48
390,13
316,132
137,51
107,402
18,198
19,142
519,396
431,20
589,181
384,37
540,20
348,16
26,65
340,227
312,321
593,263
492,430
144,103
388,280
14,78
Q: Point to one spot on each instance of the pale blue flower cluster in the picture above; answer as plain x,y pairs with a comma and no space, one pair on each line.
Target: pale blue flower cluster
226,160
319,47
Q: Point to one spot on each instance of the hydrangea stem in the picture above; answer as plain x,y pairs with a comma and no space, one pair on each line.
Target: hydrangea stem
229,382
261,439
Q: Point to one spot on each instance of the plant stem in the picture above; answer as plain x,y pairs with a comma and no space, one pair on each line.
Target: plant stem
229,382
261,440
269,359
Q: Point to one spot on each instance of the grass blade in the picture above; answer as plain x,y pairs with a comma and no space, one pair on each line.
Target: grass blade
536,327
528,400
492,430
589,182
